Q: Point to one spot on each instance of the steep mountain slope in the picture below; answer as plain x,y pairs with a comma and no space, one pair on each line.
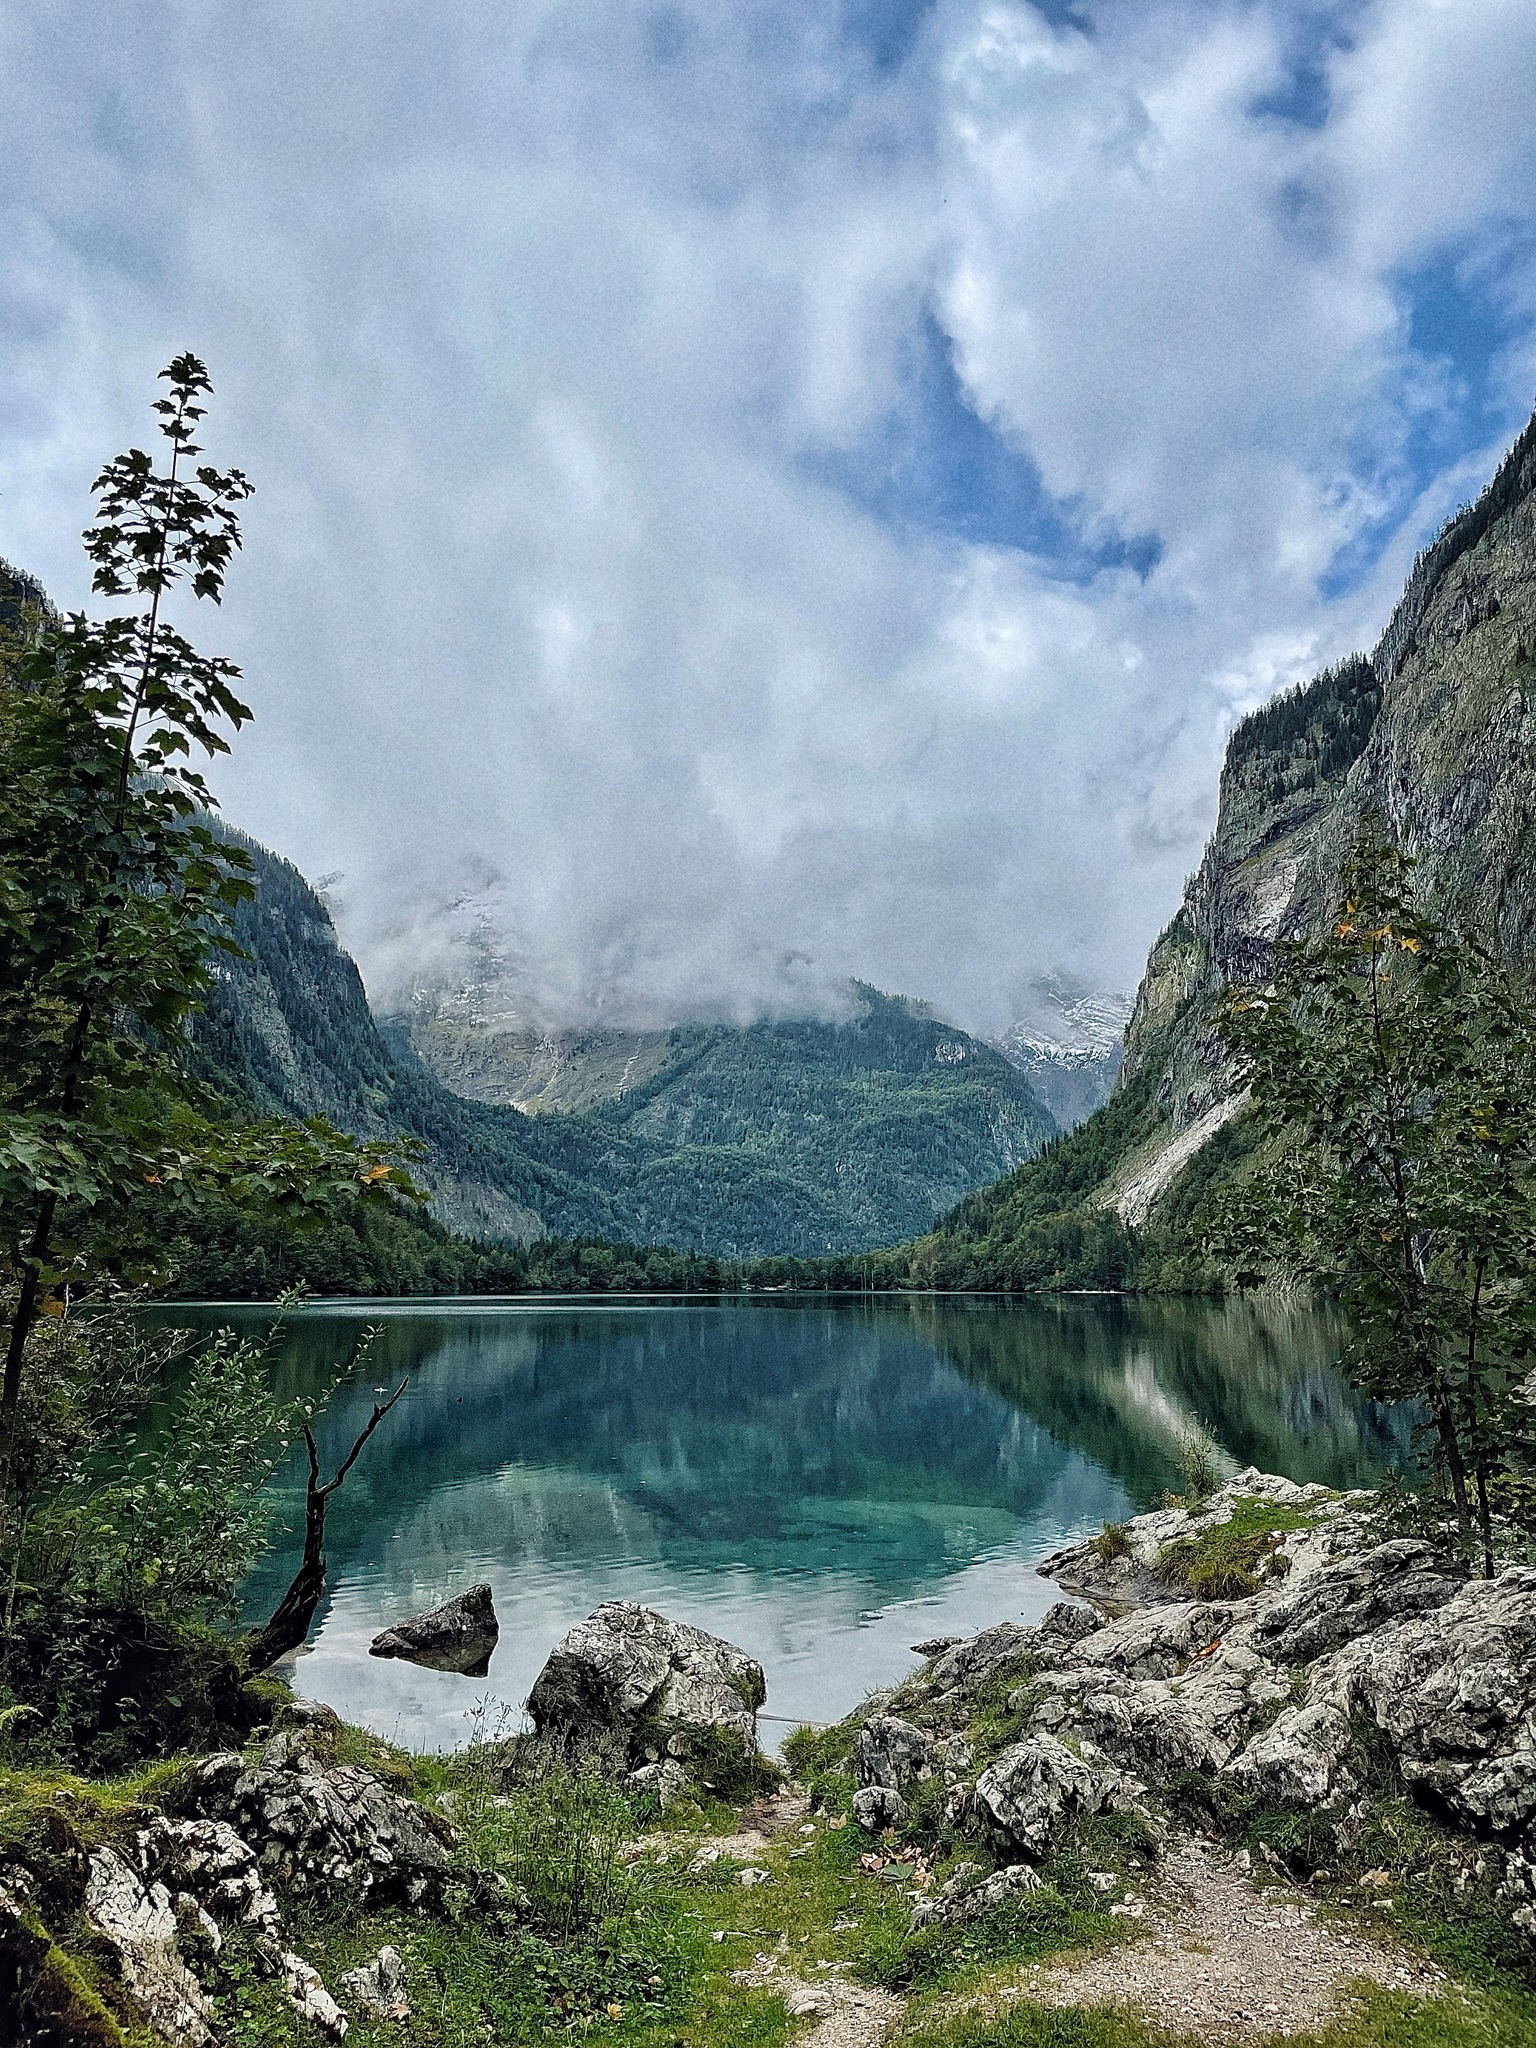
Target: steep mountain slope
793,1138
1436,731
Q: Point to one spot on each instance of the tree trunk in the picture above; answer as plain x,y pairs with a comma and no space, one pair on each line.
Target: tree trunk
289,1625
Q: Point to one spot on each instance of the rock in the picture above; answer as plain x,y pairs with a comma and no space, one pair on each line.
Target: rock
319,1825
962,1898
934,1646
665,1782
1128,1572
808,2001
380,1985
1158,1642
1296,1761
210,1863
961,1672
1194,1722
656,1684
458,1636
309,1997
1332,1606
138,1923
877,1807
753,1875
1028,1798
891,1752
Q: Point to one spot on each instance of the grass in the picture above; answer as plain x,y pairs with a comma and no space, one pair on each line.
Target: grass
1372,2019
1233,1558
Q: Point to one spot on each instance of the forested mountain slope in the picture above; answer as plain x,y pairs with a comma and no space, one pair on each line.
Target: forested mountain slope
1436,731
802,1138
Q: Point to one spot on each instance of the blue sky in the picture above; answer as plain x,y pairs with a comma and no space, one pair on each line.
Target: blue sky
754,496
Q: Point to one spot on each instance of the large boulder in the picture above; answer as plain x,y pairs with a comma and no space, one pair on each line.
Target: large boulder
629,1675
458,1636
1033,1793
315,1824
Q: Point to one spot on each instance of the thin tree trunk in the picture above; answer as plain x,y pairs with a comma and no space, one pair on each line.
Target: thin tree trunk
289,1624
22,1325
1485,1519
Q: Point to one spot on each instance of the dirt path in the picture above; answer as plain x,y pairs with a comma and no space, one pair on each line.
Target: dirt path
847,2015
1224,1959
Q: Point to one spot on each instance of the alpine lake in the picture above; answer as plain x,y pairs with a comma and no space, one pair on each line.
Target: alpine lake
825,1482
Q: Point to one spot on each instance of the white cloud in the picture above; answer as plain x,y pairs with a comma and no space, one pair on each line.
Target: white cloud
536,330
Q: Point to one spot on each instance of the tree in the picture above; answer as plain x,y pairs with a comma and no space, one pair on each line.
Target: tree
114,891
1392,1070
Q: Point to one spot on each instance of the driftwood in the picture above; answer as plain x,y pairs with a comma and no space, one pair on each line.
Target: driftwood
289,1625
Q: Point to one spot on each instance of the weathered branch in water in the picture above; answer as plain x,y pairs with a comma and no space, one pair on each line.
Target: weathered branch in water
289,1625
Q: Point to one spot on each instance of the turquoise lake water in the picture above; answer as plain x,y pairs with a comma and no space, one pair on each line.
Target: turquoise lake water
825,1483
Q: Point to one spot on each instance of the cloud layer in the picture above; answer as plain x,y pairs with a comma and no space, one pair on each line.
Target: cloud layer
751,496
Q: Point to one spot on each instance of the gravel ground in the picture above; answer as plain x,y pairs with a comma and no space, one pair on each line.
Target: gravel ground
847,2015
1225,1959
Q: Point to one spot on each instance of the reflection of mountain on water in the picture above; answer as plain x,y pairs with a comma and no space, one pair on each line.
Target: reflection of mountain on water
894,1438
1123,1381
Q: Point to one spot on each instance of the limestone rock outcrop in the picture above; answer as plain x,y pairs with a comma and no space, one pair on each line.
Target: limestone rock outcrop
629,1675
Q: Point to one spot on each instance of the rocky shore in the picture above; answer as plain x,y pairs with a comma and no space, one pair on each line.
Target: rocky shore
1232,1691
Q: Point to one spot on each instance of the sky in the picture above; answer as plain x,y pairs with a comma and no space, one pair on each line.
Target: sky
754,495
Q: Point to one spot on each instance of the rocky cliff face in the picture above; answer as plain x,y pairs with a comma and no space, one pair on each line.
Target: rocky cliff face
1436,731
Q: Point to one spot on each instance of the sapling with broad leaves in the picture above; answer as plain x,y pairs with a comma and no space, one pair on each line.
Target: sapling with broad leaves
115,895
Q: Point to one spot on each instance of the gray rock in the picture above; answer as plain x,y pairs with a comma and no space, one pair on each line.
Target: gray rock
1028,1798
1297,1760
877,1807
320,1825
963,1898
962,1671
664,1781
309,1997
891,1752
1333,1606
1159,1642
629,1671
380,1985
458,1636
1192,1722
138,1922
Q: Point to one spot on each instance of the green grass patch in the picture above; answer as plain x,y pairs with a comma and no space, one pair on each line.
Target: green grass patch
1372,2019
1233,1558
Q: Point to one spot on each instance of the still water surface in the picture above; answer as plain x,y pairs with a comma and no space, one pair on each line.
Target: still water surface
824,1484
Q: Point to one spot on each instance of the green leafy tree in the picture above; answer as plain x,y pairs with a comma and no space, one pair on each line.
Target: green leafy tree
115,891
1392,1070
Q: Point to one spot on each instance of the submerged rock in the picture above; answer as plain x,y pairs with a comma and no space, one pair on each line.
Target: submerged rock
458,1636
628,1673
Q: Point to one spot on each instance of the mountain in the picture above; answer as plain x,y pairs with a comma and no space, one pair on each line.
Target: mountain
802,1138
1436,731
835,1130
1068,1047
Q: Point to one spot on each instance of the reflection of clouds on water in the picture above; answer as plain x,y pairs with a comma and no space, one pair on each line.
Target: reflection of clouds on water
819,1624
823,1483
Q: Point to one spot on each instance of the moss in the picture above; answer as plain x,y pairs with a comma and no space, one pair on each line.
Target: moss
1232,1559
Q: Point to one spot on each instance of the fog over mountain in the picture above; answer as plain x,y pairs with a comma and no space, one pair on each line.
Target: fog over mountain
756,496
